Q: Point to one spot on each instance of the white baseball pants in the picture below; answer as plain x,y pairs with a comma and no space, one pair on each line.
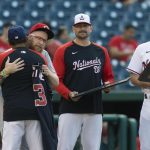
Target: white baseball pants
24,144
144,128
14,131
71,125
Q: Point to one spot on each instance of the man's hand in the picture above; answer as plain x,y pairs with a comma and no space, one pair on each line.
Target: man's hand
45,70
52,76
72,94
13,67
107,90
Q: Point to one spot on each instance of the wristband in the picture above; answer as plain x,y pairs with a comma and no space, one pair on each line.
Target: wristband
3,74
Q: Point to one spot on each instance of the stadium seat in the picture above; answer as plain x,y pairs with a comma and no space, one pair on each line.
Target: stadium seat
6,15
118,7
144,7
32,15
138,15
13,6
60,18
146,36
110,25
112,15
39,5
66,6
92,6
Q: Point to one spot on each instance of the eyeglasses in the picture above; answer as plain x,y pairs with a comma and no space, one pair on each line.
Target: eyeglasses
39,38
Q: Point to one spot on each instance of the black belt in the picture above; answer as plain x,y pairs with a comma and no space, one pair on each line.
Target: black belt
147,96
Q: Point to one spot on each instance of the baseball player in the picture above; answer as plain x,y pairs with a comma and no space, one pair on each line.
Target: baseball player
38,41
139,61
81,65
33,43
21,95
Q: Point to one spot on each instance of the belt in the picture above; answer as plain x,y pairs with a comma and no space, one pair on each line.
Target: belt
147,96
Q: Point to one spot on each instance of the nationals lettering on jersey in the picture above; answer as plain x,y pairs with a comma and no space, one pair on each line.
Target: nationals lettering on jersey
95,64
75,65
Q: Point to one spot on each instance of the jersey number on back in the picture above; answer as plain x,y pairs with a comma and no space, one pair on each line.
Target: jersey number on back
41,100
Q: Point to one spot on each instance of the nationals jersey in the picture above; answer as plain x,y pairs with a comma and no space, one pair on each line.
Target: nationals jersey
138,63
17,89
81,68
140,60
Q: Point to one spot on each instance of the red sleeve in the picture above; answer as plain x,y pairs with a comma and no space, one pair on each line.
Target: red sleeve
107,72
59,66
3,55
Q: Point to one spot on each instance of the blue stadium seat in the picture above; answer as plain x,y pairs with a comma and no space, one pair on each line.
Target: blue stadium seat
144,7
138,16
112,15
26,23
60,16
6,15
67,6
120,73
118,7
92,6
32,16
146,36
39,5
108,25
101,36
13,6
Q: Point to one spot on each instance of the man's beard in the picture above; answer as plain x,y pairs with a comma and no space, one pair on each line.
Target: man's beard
82,37
34,47
38,48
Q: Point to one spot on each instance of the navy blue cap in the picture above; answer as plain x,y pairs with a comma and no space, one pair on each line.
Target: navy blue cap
16,34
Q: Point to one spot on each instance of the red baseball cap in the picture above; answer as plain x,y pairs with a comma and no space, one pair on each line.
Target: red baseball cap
42,27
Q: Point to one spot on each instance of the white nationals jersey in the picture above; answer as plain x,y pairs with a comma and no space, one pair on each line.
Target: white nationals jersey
140,60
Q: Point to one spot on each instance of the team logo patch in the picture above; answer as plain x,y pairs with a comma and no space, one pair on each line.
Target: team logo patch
74,52
23,52
16,37
81,18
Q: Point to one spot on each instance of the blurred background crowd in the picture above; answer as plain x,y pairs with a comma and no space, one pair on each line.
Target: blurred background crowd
117,24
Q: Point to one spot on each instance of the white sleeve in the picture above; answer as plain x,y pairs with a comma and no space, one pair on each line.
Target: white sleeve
50,64
135,65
